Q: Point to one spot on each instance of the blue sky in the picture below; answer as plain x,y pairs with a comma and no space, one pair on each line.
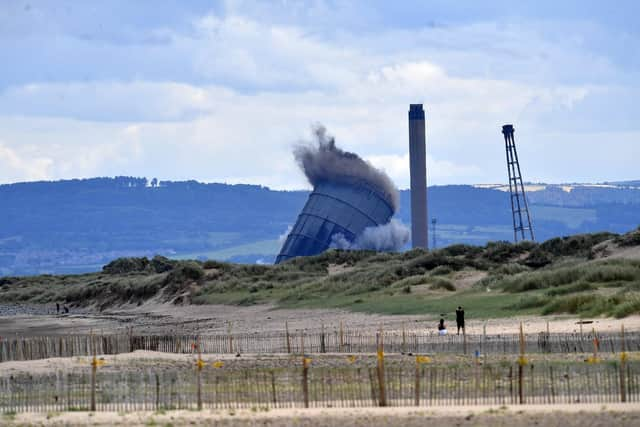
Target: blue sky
222,91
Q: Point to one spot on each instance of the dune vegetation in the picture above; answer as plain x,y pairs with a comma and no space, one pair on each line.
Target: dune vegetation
586,275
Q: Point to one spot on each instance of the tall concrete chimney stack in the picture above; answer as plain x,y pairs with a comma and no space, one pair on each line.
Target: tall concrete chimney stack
418,170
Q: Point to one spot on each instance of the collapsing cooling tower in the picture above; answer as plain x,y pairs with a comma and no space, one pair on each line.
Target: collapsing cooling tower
350,199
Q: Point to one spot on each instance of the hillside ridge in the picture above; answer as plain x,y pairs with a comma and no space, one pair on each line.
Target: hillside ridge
79,225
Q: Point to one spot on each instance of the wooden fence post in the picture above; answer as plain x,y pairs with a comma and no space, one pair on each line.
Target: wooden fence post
230,337
381,376
521,362
274,400
199,366
286,331
305,373
157,391
94,369
464,341
623,363
404,339
417,386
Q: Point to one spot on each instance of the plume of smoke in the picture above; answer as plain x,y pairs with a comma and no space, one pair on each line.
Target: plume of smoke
323,161
389,237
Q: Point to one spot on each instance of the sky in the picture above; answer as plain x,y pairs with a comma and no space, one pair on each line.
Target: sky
221,91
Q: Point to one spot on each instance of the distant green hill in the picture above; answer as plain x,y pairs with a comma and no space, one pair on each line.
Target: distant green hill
78,225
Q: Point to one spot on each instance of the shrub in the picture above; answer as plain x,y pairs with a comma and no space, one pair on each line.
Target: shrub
440,283
144,290
629,239
491,281
126,265
7,280
182,275
510,269
406,289
537,258
571,305
577,245
161,264
441,270
410,281
211,264
601,273
191,271
571,289
432,260
500,252
627,308
461,249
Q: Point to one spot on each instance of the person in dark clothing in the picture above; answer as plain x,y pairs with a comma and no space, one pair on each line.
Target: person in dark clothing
442,330
460,319
66,309
58,308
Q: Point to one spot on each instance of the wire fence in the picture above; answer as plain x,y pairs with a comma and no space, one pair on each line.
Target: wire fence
421,385
338,341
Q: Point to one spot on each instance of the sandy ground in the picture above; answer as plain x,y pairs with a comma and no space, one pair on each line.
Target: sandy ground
578,415
142,359
154,318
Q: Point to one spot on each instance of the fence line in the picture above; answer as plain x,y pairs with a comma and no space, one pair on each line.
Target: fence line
343,341
422,385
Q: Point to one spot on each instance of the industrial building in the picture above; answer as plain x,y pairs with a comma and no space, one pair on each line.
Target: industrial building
418,170
333,208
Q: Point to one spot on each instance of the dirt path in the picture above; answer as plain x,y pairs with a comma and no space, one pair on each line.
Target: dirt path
579,415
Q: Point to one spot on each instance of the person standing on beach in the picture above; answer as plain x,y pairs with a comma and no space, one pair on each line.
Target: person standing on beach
57,308
460,319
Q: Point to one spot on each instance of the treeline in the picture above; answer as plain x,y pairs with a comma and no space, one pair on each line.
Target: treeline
78,225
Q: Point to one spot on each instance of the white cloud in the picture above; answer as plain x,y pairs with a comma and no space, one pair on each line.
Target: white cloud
16,166
111,101
253,88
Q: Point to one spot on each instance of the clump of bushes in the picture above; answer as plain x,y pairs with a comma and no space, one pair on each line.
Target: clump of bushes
629,239
509,269
126,265
597,272
183,275
441,283
571,289
410,281
500,252
158,264
537,258
432,260
572,305
577,245
441,270
461,249
627,308
161,264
